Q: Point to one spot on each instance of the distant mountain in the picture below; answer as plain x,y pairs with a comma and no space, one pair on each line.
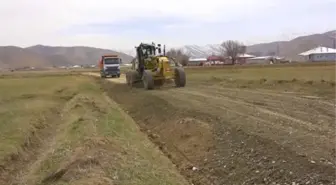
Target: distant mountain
15,57
46,56
289,49
75,55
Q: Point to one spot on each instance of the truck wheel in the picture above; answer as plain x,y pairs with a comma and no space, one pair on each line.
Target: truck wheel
180,77
118,76
147,80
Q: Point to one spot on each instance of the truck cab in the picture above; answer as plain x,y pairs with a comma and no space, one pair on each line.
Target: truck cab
110,66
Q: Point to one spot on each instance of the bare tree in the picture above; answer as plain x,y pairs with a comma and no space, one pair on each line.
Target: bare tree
232,49
179,55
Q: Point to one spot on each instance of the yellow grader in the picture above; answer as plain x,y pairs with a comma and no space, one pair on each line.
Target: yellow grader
151,67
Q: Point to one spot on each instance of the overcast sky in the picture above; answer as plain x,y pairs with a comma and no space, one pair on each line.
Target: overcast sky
123,24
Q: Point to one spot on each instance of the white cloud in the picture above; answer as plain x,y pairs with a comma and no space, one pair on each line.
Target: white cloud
25,23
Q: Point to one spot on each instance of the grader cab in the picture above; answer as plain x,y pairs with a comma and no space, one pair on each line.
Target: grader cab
151,67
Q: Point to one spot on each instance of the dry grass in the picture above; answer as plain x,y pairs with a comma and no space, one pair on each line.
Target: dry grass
44,73
64,130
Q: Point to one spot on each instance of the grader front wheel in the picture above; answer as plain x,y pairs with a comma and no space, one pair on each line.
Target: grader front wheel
131,78
148,80
128,80
180,77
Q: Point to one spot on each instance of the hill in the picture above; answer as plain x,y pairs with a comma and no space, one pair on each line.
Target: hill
75,55
46,56
289,49
15,57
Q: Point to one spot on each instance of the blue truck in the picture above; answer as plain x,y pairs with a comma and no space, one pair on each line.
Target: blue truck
110,66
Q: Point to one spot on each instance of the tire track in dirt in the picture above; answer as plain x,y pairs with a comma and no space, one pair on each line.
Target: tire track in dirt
303,109
120,80
290,125
279,107
218,104
186,149
207,98
269,93
249,146
253,106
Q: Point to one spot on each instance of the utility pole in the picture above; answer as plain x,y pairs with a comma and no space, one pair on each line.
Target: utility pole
333,37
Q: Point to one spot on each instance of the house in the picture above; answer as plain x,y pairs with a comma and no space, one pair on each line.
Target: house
219,60
196,61
320,54
264,60
241,59
216,60
76,66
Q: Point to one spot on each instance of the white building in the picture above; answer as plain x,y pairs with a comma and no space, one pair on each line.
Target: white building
264,60
196,61
320,54
76,66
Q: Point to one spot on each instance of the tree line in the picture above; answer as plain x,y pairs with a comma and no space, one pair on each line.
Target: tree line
228,49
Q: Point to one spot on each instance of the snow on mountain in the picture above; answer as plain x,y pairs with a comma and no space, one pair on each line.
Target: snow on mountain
195,51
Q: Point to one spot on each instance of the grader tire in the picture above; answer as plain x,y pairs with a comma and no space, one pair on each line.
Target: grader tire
131,78
134,77
128,78
147,80
180,77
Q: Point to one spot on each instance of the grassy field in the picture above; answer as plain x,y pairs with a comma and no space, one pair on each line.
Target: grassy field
43,73
65,130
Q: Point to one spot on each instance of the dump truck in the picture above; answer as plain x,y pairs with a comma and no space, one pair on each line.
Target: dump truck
110,66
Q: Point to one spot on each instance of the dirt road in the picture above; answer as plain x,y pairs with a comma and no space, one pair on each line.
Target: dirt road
120,80
222,135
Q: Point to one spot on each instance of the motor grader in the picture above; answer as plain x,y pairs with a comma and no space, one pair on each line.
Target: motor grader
152,68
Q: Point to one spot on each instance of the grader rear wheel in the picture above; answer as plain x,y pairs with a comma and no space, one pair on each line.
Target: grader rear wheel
180,77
